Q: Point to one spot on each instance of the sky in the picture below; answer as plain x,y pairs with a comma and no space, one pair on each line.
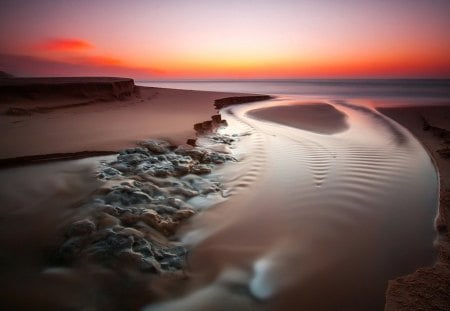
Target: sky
218,39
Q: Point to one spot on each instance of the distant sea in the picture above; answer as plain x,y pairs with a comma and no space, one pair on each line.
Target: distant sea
420,91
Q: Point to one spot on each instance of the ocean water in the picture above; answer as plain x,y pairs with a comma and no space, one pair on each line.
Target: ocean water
394,91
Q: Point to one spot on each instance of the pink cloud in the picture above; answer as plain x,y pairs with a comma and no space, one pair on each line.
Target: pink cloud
65,44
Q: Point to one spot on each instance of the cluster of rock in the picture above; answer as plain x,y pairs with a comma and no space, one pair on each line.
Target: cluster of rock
211,126
144,198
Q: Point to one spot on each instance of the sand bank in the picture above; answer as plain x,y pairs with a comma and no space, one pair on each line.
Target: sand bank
91,115
319,118
427,288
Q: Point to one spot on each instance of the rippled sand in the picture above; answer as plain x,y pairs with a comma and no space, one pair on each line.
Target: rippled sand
313,221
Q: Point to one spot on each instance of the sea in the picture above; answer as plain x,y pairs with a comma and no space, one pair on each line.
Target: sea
385,91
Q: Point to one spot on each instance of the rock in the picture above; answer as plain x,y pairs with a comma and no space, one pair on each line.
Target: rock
191,142
194,153
131,232
165,226
177,203
105,220
164,209
200,169
109,173
151,218
127,196
129,219
185,192
216,118
156,147
183,214
81,228
70,250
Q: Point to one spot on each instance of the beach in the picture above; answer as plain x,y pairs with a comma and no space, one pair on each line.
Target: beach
275,202
427,288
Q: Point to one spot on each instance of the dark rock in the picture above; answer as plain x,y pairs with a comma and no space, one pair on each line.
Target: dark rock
127,196
194,153
81,228
191,142
216,118
201,169
156,147
183,214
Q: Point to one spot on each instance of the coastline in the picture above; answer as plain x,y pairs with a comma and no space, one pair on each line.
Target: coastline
427,287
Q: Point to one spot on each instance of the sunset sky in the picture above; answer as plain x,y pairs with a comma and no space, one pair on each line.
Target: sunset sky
201,39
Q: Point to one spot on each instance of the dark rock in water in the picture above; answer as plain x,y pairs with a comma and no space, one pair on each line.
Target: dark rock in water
216,118
70,250
192,142
81,228
156,147
127,196
184,214
201,169
144,196
129,219
153,219
194,153
164,209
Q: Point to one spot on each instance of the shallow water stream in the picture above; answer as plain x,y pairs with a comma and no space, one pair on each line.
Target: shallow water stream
313,221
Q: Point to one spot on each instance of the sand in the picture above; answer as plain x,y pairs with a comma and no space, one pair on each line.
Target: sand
319,118
66,124
428,288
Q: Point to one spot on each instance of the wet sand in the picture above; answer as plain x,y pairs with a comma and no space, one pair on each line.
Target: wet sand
320,118
428,288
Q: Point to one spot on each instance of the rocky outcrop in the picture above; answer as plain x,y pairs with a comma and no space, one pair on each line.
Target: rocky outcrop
237,100
211,126
143,202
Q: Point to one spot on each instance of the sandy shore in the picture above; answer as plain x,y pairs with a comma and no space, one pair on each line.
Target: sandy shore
428,287
97,120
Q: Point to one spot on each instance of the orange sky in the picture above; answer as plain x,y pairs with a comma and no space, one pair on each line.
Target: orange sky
226,39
